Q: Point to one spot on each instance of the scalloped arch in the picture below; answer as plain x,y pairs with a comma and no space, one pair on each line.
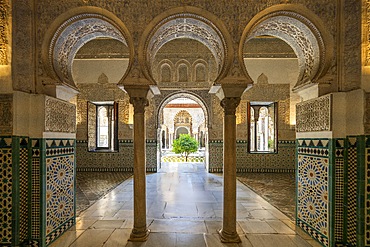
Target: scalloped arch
74,28
303,31
186,22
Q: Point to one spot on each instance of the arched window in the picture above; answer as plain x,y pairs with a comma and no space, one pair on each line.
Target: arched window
165,73
183,73
200,73
262,127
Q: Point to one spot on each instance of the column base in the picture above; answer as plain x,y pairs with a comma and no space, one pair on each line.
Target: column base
139,235
229,238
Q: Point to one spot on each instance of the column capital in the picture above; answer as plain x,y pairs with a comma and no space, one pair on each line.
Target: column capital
230,105
139,104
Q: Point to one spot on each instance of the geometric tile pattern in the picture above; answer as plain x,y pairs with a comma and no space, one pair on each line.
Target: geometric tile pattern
113,161
352,192
367,196
6,195
54,235
339,189
316,235
215,155
282,161
339,202
35,190
182,159
313,188
60,197
312,203
23,189
151,155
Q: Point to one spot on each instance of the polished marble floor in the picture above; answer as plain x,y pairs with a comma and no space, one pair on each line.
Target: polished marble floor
184,208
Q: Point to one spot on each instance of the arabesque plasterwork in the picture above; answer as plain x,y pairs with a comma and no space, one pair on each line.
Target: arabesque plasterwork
60,116
4,31
314,115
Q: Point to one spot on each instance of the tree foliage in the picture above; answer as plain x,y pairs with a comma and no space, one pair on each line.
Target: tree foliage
185,145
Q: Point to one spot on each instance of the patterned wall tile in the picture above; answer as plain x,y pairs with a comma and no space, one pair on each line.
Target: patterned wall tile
339,197
367,191
151,155
122,160
60,195
6,194
352,192
35,189
215,156
282,161
23,189
313,188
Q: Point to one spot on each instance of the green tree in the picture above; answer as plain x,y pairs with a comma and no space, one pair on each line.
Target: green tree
185,145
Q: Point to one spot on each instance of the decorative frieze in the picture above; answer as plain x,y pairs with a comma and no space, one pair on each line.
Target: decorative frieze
314,115
60,116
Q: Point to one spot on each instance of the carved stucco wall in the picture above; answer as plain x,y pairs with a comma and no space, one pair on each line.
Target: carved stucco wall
60,116
6,114
235,15
4,31
350,53
314,115
23,46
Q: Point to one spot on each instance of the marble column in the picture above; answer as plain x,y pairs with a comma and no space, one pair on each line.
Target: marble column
228,232
140,231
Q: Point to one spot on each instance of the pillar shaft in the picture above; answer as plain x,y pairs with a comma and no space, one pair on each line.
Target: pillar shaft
228,232
140,231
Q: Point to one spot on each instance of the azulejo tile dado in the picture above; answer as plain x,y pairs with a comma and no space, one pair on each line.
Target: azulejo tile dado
60,190
313,192
6,195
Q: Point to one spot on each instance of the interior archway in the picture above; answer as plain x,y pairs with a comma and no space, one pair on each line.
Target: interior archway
182,113
71,31
304,33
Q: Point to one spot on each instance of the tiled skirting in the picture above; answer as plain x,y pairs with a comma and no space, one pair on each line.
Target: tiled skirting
282,161
116,169
123,160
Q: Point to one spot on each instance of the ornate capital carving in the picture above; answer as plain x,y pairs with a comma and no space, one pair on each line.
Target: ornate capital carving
230,105
139,104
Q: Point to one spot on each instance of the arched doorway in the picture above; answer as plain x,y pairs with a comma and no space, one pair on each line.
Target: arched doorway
182,113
